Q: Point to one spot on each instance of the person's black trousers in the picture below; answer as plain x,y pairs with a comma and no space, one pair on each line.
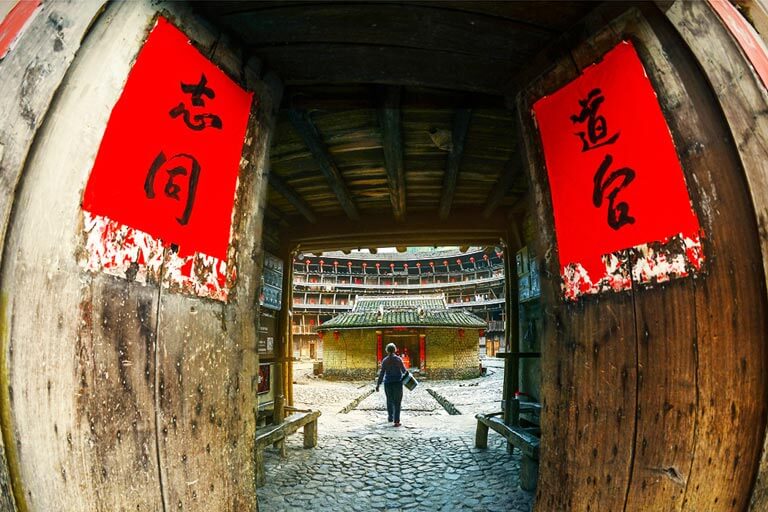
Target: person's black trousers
394,392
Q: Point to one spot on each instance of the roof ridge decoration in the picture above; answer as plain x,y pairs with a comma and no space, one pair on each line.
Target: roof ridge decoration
395,303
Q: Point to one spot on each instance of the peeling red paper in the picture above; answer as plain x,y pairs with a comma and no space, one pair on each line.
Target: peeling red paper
170,156
14,23
159,202
610,159
116,249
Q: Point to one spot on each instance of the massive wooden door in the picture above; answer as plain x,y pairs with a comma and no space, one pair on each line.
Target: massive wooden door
654,398
119,395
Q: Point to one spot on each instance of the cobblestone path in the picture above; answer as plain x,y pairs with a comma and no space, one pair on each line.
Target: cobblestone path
362,463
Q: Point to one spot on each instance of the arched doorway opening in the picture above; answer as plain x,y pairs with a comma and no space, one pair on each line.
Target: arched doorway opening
397,121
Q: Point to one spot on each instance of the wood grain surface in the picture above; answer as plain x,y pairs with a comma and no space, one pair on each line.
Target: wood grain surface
123,396
677,366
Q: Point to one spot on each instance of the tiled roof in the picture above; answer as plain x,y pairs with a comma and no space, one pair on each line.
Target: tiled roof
374,303
404,311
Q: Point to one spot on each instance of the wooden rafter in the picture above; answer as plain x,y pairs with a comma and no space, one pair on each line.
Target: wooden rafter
461,122
424,228
311,137
501,187
282,188
392,141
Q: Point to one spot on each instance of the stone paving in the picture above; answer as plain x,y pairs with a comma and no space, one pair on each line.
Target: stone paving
362,463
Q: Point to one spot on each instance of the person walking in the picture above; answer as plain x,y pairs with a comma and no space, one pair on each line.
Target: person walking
392,372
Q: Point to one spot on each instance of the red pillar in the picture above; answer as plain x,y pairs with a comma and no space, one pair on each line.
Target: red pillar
423,351
379,348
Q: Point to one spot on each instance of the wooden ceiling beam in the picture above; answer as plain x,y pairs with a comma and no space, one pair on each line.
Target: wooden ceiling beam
357,96
282,188
275,215
311,136
339,63
392,142
422,229
461,121
501,187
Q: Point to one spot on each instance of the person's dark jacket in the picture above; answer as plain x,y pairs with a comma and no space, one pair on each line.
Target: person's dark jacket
392,370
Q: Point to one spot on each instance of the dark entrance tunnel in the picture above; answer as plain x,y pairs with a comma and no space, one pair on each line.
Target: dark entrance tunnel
128,382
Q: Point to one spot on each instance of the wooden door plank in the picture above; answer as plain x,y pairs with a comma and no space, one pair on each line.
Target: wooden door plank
666,393
207,358
29,76
699,418
589,358
79,347
732,308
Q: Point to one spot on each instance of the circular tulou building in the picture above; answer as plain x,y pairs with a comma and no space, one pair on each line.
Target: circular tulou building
433,340
328,284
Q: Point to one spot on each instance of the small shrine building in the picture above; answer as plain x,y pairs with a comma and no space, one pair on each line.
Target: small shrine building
435,341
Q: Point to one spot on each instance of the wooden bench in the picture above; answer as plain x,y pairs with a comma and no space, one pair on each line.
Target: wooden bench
525,414
275,435
266,412
525,439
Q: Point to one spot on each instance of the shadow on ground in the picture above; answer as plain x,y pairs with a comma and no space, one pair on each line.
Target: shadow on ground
362,463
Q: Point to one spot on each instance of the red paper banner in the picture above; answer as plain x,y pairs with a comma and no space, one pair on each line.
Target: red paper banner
170,157
621,207
748,39
14,23
264,384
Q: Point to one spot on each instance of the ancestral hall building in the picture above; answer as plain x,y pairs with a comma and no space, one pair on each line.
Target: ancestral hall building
326,285
433,340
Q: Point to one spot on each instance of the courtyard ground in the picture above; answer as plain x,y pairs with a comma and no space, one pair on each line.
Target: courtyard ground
363,463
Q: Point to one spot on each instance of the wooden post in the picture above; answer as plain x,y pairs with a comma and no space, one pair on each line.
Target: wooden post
261,477
481,435
283,327
529,473
423,351
379,348
283,378
288,293
512,329
310,434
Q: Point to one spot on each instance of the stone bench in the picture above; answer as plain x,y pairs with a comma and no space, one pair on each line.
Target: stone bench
275,435
525,439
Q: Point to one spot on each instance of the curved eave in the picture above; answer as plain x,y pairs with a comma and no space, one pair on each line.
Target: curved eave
388,325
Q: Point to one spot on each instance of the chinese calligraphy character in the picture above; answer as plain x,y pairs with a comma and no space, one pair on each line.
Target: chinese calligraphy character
597,128
198,90
618,214
198,121
179,166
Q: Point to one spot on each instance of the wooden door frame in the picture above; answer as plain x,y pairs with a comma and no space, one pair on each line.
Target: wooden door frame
724,64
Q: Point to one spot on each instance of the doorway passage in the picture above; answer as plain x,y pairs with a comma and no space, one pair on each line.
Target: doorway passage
362,463
407,344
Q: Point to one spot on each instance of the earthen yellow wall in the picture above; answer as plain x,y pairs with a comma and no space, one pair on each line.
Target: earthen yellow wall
353,355
452,356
